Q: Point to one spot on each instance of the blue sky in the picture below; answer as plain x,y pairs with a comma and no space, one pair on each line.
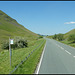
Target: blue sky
42,17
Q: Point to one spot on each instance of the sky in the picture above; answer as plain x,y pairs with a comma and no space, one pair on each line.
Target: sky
42,17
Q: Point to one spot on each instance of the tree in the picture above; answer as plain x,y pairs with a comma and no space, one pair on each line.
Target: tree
55,36
60,37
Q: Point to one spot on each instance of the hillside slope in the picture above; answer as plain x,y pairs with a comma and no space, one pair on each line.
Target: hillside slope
66,35
10,27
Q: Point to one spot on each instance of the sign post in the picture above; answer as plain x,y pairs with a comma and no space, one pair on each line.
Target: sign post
10,52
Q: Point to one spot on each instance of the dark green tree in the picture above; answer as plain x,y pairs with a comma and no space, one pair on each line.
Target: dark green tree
55,36
60,37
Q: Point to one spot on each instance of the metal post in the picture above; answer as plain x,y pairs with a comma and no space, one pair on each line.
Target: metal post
10,51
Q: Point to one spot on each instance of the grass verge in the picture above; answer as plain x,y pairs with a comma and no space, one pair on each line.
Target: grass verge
17,56
68,43
30,65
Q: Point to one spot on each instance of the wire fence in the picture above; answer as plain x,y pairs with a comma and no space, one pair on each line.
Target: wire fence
16,67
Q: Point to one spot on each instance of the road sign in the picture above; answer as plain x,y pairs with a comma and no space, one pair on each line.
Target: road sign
10,51
11,41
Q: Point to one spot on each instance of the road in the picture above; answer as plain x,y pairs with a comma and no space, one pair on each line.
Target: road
57,58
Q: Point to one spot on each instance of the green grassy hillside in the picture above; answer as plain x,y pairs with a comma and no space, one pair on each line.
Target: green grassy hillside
10,27
66,35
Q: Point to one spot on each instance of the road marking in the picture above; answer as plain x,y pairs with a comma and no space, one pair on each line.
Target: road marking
68,52
74,56
58,45
62,48
38,67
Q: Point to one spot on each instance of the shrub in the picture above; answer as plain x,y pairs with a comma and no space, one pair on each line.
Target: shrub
18,43
59,37
40,36
71,38
55,36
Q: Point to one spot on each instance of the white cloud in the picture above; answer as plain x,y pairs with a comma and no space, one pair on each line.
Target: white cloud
69,23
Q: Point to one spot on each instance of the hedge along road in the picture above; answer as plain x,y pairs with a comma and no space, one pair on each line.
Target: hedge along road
57,58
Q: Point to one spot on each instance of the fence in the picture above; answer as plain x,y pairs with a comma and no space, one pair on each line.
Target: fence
16,67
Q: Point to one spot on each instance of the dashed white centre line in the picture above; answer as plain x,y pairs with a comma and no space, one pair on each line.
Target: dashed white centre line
58,45
62,48
65,50
68,52
74,56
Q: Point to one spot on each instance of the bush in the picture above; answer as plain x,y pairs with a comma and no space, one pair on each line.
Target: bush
55,36
71,38
18,43
59,37
40,36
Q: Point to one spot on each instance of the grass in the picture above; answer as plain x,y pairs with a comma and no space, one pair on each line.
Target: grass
18,55
30,65
68,43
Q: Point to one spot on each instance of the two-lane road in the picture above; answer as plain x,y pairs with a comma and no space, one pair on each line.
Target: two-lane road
57,58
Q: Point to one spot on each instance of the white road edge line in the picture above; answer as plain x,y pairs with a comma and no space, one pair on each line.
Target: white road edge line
68,52
38,67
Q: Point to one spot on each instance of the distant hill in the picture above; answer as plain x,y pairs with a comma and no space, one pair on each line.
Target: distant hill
10,27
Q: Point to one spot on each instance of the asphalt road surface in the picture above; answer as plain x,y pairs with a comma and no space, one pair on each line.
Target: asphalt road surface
57,58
